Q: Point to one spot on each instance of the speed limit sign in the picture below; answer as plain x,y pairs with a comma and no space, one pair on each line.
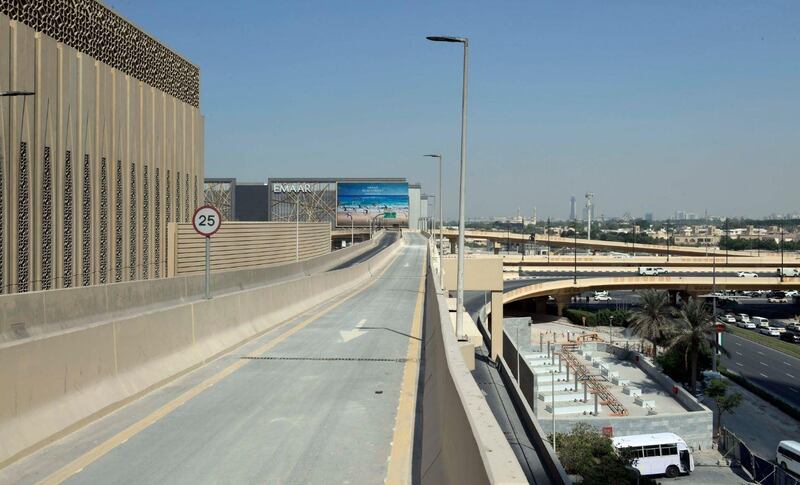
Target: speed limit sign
206,220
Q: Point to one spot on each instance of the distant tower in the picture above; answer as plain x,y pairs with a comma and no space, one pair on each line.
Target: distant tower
572,208
534,216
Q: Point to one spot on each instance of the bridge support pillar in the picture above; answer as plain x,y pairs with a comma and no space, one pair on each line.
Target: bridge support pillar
496,325
541,305
562,302
673,297
489,245
453,246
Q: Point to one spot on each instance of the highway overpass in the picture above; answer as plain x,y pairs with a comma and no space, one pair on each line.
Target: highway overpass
557,241
564,289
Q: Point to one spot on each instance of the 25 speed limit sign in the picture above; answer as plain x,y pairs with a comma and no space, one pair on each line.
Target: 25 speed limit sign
206,220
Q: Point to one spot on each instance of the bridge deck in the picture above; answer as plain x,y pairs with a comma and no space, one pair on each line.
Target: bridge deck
328,397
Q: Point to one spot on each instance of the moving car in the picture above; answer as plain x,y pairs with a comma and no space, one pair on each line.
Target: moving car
789,336
747,274
771,331
651,270
729,318
788,272
760,322
602,298
747,324
743,317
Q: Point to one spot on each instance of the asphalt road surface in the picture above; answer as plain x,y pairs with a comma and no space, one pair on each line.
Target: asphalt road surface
773,370
388,239
316,400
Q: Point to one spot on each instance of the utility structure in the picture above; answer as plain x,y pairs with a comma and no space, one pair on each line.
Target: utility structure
589,197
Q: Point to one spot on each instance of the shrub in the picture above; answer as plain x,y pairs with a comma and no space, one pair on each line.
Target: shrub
674,362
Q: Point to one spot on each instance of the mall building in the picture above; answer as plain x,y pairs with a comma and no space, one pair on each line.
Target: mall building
101,146
314,199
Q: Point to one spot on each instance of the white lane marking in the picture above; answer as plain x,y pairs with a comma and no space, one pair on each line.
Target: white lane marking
794,389
764,375
765,365
790,375
348,335
788,364
737,343
361,323
759,352
738,353
740,365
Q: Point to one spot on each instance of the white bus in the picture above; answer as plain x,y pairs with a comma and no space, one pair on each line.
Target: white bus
788,456
656,454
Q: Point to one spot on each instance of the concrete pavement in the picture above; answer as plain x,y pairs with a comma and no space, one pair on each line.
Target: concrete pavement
315,401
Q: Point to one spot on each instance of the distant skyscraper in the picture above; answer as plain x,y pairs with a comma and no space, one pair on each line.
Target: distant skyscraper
648,217
572,208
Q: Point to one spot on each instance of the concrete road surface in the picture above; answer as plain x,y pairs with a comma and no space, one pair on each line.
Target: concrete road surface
317,400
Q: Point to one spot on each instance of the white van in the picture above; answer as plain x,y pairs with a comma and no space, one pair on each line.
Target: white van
761,322
788,272
788,456
651,271
657,454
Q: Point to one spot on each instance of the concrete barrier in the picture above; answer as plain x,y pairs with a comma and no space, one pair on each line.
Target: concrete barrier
54,383
461,440
25,315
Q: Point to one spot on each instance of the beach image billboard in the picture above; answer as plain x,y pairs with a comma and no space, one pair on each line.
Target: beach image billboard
368,201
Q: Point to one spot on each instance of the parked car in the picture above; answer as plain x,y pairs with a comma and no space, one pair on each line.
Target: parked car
777,299
747,274
771,331
747,324
760,322
793,337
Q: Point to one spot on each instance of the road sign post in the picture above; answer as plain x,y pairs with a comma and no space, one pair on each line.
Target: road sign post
207,221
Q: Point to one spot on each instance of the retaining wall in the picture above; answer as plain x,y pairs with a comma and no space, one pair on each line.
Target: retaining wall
34,314
461,440
54,383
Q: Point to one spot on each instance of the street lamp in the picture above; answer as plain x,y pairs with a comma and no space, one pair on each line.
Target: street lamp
352,230
460,281
575,250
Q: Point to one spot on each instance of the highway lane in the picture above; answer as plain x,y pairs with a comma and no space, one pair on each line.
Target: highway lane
773,370
316,405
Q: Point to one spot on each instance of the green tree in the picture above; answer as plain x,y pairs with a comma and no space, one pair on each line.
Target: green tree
726,403
586,452
652,319
692,330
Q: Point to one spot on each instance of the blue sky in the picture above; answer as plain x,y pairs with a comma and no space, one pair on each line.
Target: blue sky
653,106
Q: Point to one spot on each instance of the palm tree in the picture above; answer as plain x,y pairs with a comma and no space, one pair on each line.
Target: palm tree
693,329
652,320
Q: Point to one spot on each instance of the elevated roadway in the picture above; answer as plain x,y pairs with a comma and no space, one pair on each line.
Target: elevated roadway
557,241
328,397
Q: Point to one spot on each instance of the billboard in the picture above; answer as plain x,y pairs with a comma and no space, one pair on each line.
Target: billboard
366,201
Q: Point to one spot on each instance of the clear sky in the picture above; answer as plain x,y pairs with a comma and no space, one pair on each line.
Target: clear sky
654,106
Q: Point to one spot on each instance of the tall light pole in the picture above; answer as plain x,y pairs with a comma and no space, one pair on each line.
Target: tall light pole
440,200
463,180
714,310
352,228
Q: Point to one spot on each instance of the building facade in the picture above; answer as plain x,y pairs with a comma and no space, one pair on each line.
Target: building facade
105,152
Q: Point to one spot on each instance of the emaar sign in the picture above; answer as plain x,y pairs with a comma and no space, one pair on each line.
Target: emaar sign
290,188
